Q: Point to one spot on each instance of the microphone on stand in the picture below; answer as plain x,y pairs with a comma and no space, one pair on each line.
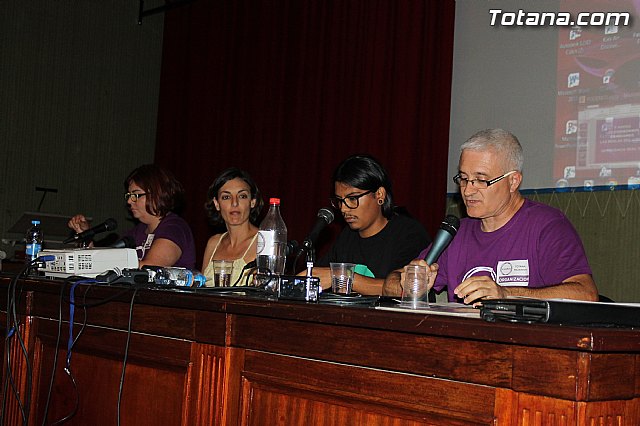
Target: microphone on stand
108,225
448,229
325,217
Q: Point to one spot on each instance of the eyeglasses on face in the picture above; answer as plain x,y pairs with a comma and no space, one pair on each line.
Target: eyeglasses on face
479,183
134,196
351,201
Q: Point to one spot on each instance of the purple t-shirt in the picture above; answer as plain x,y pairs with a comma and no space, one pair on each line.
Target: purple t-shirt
538,247
173,228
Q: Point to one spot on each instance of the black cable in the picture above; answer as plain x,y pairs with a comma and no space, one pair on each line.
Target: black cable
269,275
295,261
8,335
26,407
246,278
244,268
251,266
101,302
77,404
16,394
67,368
55,355
13,329
126,352
84,320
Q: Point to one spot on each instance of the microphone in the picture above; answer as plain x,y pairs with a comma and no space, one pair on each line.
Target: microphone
124,242
108,225
325,217
448,229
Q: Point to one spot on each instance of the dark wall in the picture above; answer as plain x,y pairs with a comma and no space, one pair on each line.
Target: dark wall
79,85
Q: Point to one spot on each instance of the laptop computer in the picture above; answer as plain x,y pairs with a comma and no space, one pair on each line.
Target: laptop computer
561,311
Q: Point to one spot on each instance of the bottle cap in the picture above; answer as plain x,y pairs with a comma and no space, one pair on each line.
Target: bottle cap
35,222
274,201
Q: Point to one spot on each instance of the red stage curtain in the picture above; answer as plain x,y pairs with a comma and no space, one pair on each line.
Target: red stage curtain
286,89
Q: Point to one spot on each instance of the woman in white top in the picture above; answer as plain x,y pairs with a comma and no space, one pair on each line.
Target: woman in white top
233,199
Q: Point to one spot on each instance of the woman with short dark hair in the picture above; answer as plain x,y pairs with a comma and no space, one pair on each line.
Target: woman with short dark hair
233,199
162,237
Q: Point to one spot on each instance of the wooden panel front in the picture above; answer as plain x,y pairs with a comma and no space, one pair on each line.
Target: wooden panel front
284,390
151,317
162,383
202,359
154,378
574,375
457,359
214,386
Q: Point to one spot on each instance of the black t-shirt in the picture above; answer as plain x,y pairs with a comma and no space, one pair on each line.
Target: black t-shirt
399,242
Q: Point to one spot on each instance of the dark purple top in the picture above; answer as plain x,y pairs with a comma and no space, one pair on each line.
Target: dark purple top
538,247
173,228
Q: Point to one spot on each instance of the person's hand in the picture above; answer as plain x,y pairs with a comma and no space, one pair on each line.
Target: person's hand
322,272
391,286
474,289
78,223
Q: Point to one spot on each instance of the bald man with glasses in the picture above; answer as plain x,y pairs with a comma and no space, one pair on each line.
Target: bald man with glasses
509,245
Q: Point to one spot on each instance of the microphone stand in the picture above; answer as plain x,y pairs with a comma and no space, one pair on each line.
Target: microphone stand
309,250
82,242
44,194
311,256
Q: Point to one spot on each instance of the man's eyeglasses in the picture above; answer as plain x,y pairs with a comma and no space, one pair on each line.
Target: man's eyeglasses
479,183
133,196
352,201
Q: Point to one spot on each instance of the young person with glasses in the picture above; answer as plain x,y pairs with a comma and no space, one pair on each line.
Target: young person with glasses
377,238
162,237
509,245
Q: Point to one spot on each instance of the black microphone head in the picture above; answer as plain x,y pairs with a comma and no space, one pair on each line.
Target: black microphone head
446,232
326,214
110,224
450,224
71,239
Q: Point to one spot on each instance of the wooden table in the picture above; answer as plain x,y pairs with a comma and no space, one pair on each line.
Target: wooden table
203,359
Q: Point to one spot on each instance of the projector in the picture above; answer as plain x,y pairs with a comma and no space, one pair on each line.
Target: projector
87,262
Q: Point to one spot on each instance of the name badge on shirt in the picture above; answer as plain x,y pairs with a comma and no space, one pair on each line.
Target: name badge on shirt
513,273
142,250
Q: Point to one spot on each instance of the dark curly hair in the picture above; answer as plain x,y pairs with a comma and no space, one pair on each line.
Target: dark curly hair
164,193
366,173
232,173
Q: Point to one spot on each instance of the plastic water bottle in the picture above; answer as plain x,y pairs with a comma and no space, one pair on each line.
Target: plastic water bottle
175,276
272,241
33,241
